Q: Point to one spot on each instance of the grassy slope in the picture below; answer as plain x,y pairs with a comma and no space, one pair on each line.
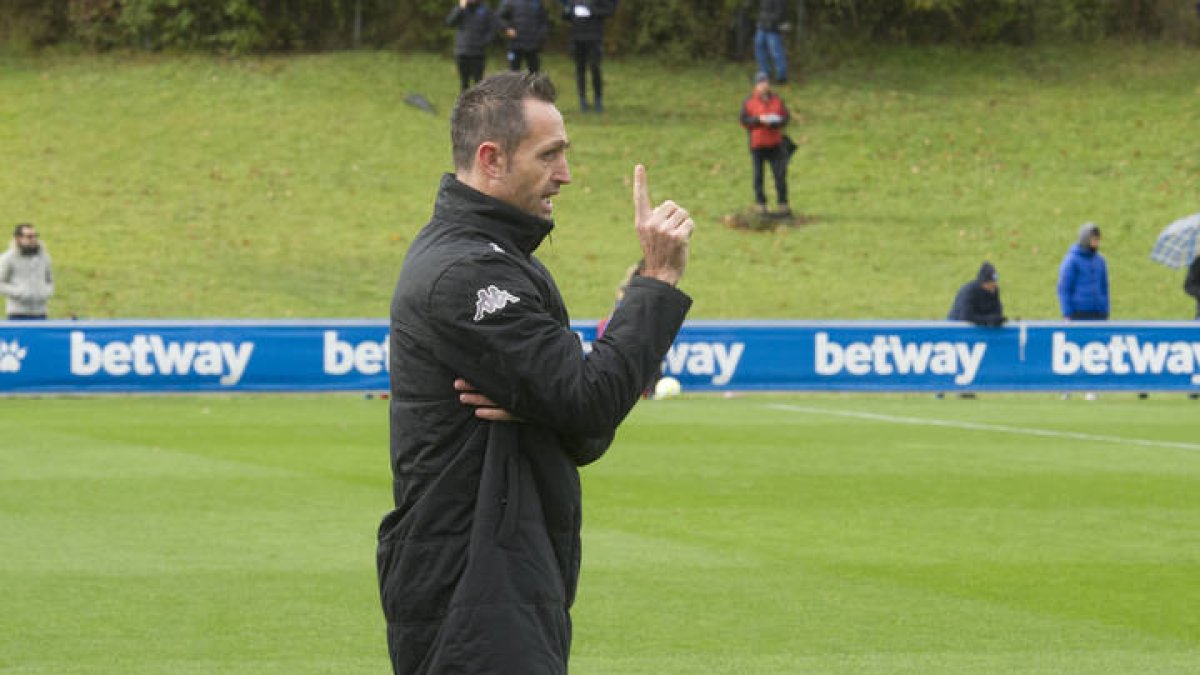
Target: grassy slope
234,535
177,187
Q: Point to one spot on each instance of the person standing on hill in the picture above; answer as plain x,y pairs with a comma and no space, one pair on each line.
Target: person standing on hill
586,18
1083,279
477,26
525,25
495,406
764,116
768,42
25,276
978,301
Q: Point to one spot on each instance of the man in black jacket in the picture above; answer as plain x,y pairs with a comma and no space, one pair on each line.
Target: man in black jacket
525,25
477,26
586,18
978,301
494,404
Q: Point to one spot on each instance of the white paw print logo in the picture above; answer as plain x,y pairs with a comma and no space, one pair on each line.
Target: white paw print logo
11,354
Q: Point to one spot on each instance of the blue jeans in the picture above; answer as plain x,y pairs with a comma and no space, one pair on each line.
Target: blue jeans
768,49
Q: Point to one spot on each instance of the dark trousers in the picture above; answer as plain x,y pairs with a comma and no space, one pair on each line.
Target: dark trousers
777,158
470,70
587,57
531,57
1089,316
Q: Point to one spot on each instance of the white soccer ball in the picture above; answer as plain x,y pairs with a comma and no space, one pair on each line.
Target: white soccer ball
667,387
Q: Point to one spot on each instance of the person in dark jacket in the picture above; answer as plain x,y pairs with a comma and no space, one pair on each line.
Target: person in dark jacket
764,116
768,42
1083,279
978,301
477,26
586,18
494,405
1191,284
525,25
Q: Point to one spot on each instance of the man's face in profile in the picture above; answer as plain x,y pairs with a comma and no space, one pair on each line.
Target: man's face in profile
537,168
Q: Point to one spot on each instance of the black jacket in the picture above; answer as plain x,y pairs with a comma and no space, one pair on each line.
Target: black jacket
477,26
478,563
1191,285
976,304
590,28
770,14
529,19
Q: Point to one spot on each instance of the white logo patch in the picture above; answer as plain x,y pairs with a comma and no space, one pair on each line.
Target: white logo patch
496,247
492,300
11,355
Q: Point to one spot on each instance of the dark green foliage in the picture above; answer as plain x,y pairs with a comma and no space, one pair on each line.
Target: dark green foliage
675,29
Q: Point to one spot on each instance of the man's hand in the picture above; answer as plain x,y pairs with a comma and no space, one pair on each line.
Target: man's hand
510,33
485,408
663,232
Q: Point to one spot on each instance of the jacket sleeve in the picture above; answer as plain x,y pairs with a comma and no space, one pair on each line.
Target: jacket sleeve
1191,284
455,18
1066,283
44,290
496,330
749,121
7,287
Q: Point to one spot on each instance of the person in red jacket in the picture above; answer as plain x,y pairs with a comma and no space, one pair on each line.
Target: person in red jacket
764,115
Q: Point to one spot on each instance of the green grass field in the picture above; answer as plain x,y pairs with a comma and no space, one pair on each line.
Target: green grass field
759,534
172,186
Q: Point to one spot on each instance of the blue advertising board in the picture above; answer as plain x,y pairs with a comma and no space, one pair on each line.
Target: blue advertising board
193,356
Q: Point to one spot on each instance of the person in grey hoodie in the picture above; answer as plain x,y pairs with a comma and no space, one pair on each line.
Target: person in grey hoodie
477,25
25,276
1083,279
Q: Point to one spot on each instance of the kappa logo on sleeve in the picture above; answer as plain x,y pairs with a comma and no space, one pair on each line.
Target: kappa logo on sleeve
492,300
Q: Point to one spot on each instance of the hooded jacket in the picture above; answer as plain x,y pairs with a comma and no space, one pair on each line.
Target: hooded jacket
477,26
529,19
26,280
1083,279
478,563
977,304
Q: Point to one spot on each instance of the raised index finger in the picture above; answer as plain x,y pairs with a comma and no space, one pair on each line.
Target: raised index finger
641,195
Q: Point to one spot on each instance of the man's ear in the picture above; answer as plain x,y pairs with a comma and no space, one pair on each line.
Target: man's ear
490,159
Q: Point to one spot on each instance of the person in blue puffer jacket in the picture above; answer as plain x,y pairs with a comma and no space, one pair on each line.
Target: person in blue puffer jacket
1083,279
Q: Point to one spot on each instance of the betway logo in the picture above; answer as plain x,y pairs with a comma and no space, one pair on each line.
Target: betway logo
705,359
148,355
1124,354
368,357
888,354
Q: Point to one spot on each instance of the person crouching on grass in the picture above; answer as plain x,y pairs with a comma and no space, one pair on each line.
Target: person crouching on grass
764,116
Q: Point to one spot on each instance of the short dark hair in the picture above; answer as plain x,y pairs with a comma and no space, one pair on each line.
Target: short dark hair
21,226
494,110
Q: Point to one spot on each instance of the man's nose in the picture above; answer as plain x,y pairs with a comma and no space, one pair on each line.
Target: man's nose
562,172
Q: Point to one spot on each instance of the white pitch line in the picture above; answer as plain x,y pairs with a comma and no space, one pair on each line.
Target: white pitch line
976,426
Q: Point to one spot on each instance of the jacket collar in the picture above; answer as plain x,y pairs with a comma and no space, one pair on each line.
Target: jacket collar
463,206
